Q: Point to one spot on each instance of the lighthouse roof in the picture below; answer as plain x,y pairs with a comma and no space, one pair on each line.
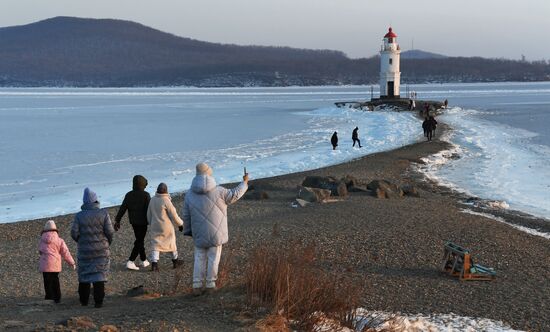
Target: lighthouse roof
390,34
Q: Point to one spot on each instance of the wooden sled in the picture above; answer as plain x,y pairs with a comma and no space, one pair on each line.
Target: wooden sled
458,262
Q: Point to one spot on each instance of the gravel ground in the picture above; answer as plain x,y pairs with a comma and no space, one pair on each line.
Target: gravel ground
392,247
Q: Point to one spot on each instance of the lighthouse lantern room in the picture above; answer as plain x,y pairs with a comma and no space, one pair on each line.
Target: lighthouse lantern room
389,66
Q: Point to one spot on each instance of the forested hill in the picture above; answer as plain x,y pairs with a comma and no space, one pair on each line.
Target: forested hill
67,51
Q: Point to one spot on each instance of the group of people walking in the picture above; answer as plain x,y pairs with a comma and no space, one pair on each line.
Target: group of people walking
204,219
354,137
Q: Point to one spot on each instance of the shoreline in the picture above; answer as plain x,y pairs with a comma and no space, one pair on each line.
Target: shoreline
474,203
391,246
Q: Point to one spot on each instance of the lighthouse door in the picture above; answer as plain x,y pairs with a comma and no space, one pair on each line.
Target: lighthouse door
391,91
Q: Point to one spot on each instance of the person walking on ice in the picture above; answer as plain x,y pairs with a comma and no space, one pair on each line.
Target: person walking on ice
355,137
93,231
334,140
52,248
205,215
136,203
161,214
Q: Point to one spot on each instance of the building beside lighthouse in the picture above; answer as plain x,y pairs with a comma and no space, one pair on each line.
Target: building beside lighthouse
389,66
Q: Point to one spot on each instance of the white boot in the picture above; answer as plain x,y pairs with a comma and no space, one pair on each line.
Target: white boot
131,266
145,263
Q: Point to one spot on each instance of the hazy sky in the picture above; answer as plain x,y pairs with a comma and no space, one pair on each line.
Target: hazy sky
489,28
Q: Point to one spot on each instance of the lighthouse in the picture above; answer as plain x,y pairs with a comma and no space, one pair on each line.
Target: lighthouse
389,66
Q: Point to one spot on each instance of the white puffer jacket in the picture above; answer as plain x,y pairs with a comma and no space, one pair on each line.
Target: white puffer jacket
205,210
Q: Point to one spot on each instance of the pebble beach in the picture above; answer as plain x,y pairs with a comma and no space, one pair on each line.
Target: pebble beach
393,247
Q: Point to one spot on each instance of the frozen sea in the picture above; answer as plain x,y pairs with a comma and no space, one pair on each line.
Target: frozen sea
56,141
501,135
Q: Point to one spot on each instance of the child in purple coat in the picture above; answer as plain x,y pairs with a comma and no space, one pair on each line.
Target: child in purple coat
52,248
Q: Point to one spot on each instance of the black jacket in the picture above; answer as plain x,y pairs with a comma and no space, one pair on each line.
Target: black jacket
136,202
355,135
334,139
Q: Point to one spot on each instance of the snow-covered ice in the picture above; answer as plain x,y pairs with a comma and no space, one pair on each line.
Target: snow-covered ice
58,141
386,321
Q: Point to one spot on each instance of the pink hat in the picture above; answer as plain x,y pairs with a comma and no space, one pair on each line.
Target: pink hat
50,226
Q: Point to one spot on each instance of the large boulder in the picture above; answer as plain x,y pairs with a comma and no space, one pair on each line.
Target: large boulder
326,182
313,195
409,190
256,195
385,189
256,192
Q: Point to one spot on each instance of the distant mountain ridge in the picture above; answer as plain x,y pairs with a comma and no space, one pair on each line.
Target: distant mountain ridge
419,54
69,51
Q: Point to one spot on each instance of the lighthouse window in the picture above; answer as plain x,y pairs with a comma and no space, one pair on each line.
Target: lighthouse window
391,60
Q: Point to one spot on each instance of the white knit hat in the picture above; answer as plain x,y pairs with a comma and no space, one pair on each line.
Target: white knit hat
50,226
203,168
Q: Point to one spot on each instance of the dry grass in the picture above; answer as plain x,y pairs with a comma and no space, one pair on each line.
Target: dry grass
288,281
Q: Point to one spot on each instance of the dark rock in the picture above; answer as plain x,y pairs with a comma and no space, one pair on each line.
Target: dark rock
385,189
78,322
342,189
313,195
136,291
327,182
256,195
350,181
323,182
409,190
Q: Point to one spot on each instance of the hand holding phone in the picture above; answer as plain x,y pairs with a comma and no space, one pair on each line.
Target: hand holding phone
245,176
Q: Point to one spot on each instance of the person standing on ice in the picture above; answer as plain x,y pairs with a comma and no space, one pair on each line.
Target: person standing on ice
205,215
355,137
136,203
425,126
334,140
93,231
161,214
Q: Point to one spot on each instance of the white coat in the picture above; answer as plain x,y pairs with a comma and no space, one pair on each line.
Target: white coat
162,217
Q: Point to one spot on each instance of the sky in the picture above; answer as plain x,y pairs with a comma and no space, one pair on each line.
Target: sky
488,28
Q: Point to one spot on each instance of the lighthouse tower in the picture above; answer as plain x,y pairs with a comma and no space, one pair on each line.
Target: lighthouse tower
389,66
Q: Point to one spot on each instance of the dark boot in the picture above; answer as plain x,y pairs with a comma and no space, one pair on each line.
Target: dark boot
84,293
155,266
176,263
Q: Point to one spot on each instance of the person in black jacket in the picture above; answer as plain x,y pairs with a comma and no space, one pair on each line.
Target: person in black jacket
425,126
334,140
355,137
136,203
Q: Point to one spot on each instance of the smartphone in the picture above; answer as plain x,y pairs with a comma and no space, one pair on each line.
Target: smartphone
245,170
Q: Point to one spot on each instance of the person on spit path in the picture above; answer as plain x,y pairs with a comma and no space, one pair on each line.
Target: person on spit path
136,203
425,126
205,215
355,137
334,140
52,248
162,217
93,231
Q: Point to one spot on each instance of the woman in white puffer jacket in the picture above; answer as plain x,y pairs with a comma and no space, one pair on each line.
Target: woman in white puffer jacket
205,216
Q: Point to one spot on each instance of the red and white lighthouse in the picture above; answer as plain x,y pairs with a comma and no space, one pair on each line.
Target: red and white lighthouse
390,75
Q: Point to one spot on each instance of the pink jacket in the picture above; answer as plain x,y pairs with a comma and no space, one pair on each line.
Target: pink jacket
51,249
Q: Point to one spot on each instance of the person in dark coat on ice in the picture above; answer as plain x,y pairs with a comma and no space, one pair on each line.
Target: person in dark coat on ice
334,140
136,203
93,232
433,123
355,137
431,127
425,127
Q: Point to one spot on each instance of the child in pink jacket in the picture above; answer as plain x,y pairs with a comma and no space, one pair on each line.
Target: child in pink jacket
51,249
